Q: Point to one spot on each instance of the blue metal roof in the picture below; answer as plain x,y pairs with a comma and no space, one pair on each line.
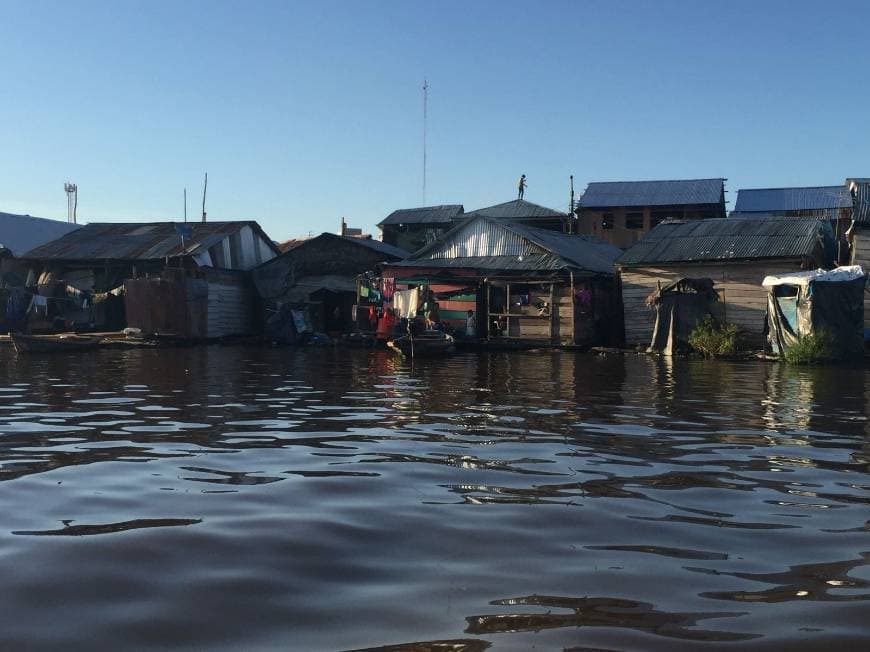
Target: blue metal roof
773,200
731,239
424,215
21,233
612,194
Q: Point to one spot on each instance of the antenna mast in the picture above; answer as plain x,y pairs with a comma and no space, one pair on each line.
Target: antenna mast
185,205
204,188
72,201
571,207
425,116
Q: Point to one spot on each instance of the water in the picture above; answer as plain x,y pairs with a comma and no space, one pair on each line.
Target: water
246,498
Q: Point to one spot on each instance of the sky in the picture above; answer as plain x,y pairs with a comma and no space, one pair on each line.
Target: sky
303,113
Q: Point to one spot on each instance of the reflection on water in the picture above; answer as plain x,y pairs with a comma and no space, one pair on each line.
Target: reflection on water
69,530
229,498
601,612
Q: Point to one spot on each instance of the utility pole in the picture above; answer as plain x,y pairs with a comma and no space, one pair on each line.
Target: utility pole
425,117
204,188
571,207
185,205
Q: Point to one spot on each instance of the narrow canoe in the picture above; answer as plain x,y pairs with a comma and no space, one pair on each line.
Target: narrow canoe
52,343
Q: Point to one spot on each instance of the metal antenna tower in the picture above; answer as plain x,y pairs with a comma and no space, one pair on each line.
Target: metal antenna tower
425,116
72,201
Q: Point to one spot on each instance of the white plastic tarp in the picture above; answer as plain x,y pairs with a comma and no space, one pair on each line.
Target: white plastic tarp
847,273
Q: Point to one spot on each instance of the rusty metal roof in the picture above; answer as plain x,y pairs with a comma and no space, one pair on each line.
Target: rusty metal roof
139,241
731,239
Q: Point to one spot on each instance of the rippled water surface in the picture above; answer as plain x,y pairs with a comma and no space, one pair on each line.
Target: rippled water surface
248,498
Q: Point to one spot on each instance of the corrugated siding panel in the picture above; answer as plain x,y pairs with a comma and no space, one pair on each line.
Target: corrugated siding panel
861,213
229,309
483,239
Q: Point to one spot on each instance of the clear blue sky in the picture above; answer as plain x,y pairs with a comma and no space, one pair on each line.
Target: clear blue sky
305,112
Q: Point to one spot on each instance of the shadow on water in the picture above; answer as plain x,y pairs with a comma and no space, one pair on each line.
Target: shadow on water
69,530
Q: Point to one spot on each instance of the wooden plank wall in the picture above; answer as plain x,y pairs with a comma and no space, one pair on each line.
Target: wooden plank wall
743,300
861,256
563,305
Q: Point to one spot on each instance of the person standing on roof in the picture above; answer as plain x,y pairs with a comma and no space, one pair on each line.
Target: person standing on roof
521,187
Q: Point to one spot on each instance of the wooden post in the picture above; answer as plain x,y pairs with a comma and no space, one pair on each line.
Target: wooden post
554,316
573,313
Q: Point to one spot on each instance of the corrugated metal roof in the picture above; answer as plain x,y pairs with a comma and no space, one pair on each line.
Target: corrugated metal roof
377,245
731,239
21,233
680,192
139,241
773,200
826,213
488,244
424,215
861,211
517,209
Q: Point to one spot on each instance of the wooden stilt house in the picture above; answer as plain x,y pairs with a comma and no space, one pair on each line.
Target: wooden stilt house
525,285
736,253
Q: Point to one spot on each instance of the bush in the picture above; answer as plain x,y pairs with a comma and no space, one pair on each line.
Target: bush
712,340
810,349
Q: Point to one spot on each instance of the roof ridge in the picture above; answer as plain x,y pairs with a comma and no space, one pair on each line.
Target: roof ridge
796,188
661,180
32,217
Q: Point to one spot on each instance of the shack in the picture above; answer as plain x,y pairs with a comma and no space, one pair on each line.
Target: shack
736,253
621,212
832,203
413,228
803,303
526,286
18,234
186,279
318,276
859,235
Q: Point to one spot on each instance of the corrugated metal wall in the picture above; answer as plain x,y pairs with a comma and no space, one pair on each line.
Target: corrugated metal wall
481,238
230,310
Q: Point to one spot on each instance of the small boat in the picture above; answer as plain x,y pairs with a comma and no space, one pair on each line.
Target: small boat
364,340
427,343
53,343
